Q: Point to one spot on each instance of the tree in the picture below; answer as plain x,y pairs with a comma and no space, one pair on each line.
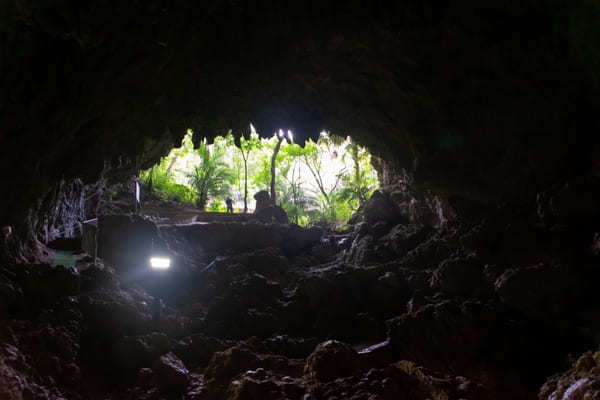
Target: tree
187,145
280,138
293,191
358,186
246,146
210,178
313,159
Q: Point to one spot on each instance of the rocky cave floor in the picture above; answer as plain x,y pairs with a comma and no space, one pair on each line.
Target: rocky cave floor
503,307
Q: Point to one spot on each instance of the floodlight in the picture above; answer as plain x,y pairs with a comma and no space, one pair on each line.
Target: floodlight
160,262
281,133
290,135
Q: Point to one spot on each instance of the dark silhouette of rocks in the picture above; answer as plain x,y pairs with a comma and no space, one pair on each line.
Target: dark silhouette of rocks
472,273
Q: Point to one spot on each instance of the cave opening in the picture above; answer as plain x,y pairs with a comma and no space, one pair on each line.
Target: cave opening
319,182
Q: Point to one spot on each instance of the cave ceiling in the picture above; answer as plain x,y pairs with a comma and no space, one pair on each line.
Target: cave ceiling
478,99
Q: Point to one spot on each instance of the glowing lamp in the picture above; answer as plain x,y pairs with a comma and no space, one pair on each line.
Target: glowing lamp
160,262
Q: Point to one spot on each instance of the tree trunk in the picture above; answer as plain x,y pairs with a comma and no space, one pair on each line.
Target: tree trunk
355,158
172,162
202,200
245,182
150,180
273,159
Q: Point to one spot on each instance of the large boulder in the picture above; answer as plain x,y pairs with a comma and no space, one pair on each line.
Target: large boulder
542,291
381,208
172,375
331,360
297,238
263,200
219,237
461,276
272,213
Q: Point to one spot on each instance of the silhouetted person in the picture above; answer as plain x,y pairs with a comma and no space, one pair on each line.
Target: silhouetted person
229,203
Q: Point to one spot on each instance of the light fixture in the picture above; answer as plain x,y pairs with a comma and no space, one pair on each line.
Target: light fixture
160,262
290,135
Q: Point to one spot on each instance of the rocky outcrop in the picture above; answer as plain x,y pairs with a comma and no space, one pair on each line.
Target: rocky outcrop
126,240
263,200
579,382
219,237
448,311
331,360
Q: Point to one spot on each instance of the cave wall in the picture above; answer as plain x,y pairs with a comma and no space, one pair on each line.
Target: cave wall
478,103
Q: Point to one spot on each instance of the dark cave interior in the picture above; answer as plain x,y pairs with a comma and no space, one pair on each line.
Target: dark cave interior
470,274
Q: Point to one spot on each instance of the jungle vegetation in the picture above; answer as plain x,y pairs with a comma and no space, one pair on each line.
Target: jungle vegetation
322,182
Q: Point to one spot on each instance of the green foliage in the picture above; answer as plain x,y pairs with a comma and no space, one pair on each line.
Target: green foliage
212,176
322,182
216,205
164,186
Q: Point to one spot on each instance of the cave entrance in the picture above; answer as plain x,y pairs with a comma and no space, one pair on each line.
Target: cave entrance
320,183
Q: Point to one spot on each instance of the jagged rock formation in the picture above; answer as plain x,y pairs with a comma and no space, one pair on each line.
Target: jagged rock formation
446,311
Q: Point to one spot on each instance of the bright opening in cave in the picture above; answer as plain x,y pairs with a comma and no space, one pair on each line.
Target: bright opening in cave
322,182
